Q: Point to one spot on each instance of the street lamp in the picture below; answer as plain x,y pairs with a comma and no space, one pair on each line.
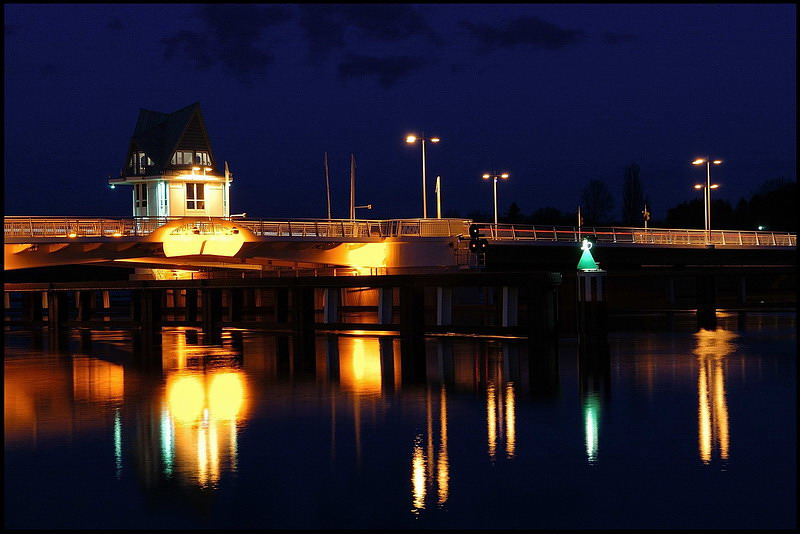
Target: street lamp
707,190
487,176
412,139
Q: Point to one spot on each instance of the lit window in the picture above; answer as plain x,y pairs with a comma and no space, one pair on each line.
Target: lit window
182,157
195,196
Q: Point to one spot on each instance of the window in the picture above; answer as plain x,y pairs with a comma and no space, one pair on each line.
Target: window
182,157
204,159
139,163
140,195
195,196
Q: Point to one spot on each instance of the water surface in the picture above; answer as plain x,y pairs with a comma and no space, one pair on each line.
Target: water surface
676,428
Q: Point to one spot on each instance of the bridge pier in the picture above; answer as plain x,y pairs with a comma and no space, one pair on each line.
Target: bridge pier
331,298
444,306
706,301
592,309
385,305
412,332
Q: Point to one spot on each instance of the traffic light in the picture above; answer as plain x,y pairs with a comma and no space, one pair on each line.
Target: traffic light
476,242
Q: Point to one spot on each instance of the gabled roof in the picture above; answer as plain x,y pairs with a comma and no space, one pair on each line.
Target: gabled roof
160,134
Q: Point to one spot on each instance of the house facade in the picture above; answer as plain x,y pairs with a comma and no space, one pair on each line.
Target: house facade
171,167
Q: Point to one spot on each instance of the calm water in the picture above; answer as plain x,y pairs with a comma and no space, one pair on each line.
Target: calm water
677,429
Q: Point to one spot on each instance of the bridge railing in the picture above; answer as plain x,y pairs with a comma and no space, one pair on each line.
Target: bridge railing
75,227
646,236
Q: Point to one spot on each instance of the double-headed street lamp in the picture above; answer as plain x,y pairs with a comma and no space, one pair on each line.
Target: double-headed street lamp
488,176
412,139
707,190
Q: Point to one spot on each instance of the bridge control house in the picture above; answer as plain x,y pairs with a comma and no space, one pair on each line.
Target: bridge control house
172,169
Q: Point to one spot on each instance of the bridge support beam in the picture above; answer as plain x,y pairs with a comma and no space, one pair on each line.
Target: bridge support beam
331,297
211,303
706,301
510,303
444,306
412,332
32,306
592,309
57,309
85,305
385,305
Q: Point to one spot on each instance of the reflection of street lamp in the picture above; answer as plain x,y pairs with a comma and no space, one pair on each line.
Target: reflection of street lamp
487,176
411,139
707,189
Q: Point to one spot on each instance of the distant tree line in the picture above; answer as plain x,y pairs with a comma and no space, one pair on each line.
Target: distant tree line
771,207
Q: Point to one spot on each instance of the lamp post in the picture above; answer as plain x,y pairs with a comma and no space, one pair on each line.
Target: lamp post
707,190
412,139
495,176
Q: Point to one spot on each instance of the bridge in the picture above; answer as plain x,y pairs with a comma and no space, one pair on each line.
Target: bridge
363,246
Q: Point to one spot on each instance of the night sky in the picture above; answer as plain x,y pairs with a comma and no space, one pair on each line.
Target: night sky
556,95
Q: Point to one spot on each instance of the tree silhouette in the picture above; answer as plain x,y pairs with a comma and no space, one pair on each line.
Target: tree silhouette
596,203
632,197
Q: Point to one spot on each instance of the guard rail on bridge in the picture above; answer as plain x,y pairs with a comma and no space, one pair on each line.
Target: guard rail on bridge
638,236
20,228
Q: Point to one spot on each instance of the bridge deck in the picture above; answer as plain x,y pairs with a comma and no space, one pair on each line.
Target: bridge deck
53,229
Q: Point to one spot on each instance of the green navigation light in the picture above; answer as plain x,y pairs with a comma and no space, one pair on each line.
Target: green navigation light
587,262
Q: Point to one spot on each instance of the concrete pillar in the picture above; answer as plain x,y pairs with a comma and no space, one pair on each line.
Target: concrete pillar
331,297
191,305
510,303
85,305
385,305
743,290
592,310
303,329
211,299
149,308
706,295
412,333
235,304
32,306
57,311
444,306
281,305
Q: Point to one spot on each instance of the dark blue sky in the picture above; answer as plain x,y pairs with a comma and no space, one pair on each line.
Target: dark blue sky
557,95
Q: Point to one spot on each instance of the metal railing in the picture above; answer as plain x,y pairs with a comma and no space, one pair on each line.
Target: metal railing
108,227
638,236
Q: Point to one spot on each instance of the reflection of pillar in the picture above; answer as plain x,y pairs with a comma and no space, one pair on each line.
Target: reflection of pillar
386,347
543,368
332,357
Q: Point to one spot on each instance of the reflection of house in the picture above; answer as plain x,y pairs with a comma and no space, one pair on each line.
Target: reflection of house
172,168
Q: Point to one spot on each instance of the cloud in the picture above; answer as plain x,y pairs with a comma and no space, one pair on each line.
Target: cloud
388,70
617,38
327,26
231,36
531,31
